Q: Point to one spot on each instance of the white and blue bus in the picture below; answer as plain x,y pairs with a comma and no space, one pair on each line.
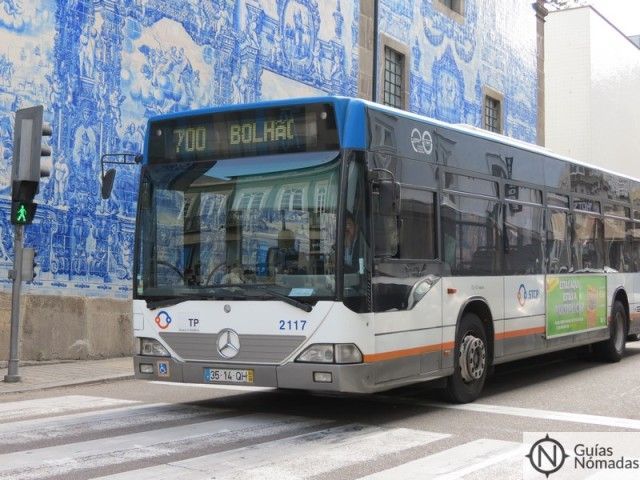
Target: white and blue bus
335,244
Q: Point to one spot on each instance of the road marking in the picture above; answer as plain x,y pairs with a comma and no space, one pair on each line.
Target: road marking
62,460
301,456
216,387
454,462
68,426
617,422
56,406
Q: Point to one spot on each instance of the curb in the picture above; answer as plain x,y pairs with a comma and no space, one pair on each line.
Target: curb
39,388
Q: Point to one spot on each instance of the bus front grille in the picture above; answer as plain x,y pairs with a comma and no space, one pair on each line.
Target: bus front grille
202,347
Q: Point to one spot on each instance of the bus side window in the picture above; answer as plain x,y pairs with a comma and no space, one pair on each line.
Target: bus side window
471,235
558,242
418,225
614,238
588,242
522,229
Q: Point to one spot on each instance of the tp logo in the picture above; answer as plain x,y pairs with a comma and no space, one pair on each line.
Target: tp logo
547,456
163,320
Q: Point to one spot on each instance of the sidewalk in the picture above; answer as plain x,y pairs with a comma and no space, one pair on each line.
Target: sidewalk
50,375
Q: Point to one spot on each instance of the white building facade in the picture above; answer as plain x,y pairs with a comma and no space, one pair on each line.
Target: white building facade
592,99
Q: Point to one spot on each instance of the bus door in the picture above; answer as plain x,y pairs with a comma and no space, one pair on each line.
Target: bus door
406,287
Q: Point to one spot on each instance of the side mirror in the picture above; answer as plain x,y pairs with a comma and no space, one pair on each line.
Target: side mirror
107,183
109,177
386,197
386,215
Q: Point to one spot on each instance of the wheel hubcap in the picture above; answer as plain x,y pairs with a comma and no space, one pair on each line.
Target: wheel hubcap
472,358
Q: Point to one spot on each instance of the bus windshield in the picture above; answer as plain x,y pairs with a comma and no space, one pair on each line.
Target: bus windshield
251,227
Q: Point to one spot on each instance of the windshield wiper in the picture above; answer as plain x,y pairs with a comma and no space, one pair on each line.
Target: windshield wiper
162,302
153,303
227,294
286,299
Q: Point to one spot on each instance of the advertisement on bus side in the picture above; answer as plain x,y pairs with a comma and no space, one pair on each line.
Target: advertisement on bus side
575,303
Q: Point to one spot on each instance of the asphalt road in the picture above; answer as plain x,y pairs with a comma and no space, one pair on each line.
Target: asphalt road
148,430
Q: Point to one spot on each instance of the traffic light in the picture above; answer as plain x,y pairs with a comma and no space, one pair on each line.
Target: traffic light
22,213
28,167
28,264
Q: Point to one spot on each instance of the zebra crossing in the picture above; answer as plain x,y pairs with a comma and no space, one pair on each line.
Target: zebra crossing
93,437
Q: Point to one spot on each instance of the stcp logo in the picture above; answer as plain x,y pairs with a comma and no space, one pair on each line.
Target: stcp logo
547,456
524,294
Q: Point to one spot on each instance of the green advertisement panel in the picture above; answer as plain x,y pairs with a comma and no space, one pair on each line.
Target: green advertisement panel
575,303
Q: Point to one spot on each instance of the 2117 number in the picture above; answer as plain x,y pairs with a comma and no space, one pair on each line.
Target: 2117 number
292,325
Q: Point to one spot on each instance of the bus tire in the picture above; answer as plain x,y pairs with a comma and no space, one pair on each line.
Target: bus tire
471,361
634,337
613,349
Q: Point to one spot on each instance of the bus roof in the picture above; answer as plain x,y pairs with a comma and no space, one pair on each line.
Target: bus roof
353,134
487,135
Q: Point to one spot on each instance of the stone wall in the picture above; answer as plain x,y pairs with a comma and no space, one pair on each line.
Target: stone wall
68,327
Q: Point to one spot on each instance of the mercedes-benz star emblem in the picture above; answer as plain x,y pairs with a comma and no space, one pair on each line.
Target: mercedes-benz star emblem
228,343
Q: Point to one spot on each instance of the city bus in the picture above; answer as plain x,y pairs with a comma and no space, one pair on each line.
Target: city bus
334,244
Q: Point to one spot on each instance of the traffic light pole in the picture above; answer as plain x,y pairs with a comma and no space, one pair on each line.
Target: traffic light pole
27,170
14,347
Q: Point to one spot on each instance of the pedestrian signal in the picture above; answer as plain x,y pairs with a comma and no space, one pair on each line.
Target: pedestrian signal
23,213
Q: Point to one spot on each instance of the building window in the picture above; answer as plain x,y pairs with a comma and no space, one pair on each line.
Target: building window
454,5
492,114
393,78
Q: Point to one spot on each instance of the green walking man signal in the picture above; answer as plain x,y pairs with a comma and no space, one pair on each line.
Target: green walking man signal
23,213
21,217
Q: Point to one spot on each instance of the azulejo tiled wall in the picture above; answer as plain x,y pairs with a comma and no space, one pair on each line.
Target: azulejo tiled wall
454,58
102,67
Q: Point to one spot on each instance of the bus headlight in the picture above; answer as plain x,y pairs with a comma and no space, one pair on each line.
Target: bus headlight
149,346
331,353
318,353
348,353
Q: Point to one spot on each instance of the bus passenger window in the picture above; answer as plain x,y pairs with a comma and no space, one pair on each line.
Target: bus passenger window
418,227
587,242
614,238
558,242
633,245
522,230
471,235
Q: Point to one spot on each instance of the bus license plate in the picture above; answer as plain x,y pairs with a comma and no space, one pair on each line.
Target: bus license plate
215,375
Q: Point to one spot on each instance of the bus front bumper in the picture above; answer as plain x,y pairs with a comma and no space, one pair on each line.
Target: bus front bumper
356,378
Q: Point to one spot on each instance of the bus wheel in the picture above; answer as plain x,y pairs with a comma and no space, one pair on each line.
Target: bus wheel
613,349
633,338
470,361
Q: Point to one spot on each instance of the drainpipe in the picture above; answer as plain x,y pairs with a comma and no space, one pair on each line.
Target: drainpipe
374,93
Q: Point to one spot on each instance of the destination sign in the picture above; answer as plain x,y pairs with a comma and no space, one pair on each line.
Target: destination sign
304,128
269,131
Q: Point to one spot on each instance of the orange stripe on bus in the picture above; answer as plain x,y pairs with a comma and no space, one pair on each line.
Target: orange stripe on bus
520,333
409,352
